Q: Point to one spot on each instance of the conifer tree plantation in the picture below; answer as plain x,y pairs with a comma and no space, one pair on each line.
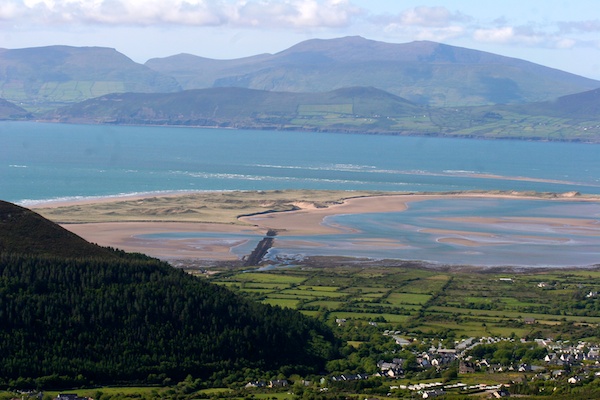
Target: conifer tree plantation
72,321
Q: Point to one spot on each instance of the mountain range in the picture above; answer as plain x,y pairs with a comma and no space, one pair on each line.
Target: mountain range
348,84
423,72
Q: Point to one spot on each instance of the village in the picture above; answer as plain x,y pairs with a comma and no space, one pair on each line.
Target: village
560,363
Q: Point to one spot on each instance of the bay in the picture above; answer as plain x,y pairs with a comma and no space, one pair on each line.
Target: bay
41,162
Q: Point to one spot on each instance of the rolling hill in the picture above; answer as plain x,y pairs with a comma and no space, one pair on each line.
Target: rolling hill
74,314
354,110
45,77
423,72
10,111
238,107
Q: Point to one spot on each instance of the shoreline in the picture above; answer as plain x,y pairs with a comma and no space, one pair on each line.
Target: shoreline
299,217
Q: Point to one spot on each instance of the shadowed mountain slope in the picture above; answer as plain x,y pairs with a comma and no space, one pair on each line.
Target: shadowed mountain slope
584,105
231,106
108,317
423,72
11,111
25,232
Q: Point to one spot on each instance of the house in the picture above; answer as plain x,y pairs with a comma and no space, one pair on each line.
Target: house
465,343
278,383
395,373
466,367
69,396
349,377
558,373
255,384
498,394
401,341
430,394
529,320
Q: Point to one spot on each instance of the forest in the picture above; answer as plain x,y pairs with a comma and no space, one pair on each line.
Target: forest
128,319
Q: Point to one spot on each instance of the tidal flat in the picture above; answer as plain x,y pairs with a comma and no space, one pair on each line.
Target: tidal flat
487,229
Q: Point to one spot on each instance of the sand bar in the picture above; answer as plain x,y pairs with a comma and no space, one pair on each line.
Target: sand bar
288,212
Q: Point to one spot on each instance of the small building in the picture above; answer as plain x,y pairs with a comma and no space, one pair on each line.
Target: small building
466,367
278,383
255,384
69,396
430,394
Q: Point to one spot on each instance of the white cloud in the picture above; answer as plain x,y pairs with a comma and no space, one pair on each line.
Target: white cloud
429,17
589,26
526,36
424,23
504,34
260,13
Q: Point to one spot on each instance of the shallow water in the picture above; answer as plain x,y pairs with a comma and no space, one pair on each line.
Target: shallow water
497,232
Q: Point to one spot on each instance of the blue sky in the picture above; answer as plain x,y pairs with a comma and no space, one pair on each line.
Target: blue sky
563,34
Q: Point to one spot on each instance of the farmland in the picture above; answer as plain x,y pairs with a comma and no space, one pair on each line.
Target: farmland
422,301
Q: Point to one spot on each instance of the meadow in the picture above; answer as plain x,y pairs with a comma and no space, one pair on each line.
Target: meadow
558,303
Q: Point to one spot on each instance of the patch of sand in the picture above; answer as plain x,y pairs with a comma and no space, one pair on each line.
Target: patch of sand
288,212
127,236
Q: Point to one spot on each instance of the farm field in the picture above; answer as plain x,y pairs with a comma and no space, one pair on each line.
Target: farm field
538,303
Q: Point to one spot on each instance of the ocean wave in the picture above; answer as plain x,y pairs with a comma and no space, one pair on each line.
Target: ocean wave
460,172
17,166
270,178
329,167
64,199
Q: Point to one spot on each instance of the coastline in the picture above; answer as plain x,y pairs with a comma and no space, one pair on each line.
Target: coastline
295,215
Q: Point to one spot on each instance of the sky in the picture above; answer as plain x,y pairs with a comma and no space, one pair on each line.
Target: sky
562,34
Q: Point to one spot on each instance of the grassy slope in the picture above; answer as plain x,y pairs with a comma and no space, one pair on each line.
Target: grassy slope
11,111
45,77
358,109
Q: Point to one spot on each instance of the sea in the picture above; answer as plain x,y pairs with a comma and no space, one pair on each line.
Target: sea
45,162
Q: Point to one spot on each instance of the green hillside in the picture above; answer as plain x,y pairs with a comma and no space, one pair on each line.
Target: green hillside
354,110
345,109
424,72
10,111
118,318
45,77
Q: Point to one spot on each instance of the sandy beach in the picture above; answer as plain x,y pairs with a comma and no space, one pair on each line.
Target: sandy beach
283,213
127,236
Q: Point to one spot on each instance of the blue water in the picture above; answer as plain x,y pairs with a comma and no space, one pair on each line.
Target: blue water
513,232
45,162
41,162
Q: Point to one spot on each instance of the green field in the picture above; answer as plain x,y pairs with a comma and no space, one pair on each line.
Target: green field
544,303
